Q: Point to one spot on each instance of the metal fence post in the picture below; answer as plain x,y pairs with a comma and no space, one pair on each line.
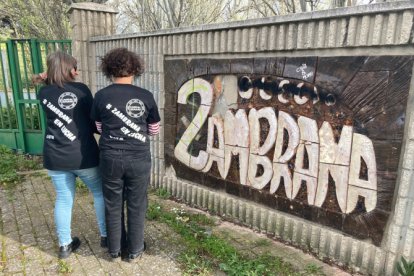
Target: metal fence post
37,68
12,56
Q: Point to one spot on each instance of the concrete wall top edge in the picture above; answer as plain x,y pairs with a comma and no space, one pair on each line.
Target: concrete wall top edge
91,7
307,16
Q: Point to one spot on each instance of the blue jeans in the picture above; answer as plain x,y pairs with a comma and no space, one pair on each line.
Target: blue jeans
64,182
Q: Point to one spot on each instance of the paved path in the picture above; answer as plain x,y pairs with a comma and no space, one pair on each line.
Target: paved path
28,244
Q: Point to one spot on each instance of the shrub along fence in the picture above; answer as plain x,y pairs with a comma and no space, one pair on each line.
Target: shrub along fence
21,120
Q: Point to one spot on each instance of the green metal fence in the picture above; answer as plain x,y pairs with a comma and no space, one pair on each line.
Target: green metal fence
22,122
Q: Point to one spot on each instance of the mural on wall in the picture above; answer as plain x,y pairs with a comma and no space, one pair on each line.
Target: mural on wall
317,137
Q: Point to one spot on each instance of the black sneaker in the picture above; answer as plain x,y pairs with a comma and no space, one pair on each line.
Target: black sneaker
132,258
115,257
66,250
104,242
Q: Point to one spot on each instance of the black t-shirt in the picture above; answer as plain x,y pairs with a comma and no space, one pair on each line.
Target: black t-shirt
125,110
69,142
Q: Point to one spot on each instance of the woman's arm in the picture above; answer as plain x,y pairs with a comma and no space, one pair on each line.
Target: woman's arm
154,128
99,126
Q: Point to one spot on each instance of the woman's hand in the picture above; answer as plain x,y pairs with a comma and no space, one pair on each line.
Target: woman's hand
43,75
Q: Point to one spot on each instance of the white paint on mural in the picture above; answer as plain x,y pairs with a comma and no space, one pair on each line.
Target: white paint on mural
246,94
280,96
263,94
236,139
181,150
302,69
317,154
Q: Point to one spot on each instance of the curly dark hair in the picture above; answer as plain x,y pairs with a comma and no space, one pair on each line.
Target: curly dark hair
120,62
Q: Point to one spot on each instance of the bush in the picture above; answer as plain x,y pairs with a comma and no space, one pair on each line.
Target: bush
11,163
405,268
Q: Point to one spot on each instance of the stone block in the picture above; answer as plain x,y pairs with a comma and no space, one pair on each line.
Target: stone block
323,243
314,240
364,31
408,158
332,32
391,28
216,41
262,42
264,213
352,29
270,222
394,238
310,36
367,257
402,205
354,256
210,42
280,221
252,39
408,243
320,36
411,223
379,262
405,182
281,37
390,264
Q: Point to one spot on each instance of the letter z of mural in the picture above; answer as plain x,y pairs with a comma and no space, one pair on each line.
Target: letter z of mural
316,137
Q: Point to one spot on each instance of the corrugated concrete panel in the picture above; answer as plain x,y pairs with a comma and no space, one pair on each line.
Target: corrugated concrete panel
380,28
323,241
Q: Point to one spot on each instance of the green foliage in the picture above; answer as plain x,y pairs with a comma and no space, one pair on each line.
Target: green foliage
206,252
405,268
313,269
9,118
31,117
81,186
3,257
262,242
8,170
47,19
31,18
153,212
11,163
64,267
195,264
163,193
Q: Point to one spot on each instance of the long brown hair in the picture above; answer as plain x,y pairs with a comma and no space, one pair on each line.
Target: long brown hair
59,66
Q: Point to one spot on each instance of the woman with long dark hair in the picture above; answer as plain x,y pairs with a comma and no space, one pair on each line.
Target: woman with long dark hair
70,149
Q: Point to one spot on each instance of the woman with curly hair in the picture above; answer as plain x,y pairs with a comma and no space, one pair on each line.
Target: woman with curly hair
70,149
125,114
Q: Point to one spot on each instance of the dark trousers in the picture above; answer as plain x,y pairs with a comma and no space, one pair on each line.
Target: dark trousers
125,176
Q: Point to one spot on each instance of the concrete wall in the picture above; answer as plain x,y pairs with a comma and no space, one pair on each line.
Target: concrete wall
380,29
88,20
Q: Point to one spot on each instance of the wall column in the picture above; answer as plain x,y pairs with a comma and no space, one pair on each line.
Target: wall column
88,20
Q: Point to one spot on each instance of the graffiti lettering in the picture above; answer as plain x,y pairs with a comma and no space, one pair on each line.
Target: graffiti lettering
316,153
305,75
301,92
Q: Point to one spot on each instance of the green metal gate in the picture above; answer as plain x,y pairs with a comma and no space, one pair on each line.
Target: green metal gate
22,122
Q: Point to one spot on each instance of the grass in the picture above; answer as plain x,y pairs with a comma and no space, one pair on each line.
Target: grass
262,242
207,253
3,252
313,269
405,268
64,267
11,163
81,186
162,193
